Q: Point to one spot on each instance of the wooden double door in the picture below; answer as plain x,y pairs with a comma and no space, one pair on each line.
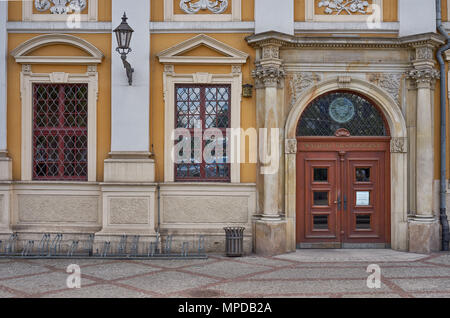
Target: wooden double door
343,192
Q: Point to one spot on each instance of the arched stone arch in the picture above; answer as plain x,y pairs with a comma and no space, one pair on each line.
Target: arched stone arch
398,130
21,53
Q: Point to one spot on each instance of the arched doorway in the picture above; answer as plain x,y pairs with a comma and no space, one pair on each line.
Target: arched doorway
343,173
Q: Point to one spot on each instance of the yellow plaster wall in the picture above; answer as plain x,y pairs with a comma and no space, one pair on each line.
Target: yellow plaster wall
102,42
160,42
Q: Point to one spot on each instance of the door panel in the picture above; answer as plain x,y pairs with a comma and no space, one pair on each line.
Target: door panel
319,199
343,193
364,218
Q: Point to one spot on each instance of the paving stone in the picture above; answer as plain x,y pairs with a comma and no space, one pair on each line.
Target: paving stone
8,270
116,270
98,291
415,272
264,261
372,296
64,263
443,259
168,282
432,295
41,283
5,294
423,284
227,269
351,255
289,287
305,273
171,263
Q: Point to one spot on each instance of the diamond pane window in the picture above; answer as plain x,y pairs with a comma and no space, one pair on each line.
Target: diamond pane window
204,107
336,111
60,140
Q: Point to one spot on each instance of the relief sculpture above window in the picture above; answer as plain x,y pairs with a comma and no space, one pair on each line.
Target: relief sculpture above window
342,6
191,6
60,6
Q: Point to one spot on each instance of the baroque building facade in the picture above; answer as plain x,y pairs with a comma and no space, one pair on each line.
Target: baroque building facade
342,97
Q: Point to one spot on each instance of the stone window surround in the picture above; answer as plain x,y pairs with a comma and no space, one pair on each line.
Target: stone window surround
234,16
28,15
173,56
311,16
27,78
170,80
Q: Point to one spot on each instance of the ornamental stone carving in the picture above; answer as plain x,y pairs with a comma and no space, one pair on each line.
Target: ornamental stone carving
191,7
399,145
424,77
270,52
346,7
268,76
60,6
389,82
424,53
300,82
290,146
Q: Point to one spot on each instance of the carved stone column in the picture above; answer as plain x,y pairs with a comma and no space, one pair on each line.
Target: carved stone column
269,77
424,228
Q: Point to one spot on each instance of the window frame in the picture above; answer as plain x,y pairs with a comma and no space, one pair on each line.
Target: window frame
60,130
203,115
27,80
170,79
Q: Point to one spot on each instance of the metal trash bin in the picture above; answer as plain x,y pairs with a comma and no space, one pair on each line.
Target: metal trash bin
234,243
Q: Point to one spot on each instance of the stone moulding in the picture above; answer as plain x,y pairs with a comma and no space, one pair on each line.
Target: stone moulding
292,41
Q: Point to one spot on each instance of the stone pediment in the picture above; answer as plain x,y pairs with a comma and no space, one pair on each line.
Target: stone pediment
209,50
24,52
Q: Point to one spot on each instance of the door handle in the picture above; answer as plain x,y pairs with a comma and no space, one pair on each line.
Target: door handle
345,203
338,202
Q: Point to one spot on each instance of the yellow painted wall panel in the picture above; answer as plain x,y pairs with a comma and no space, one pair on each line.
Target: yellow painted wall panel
60,49
15,10
104,10
390,10
248,10
157,10
299,11
103,43
160,42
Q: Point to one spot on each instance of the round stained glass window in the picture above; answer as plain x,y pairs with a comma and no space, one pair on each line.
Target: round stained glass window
336,111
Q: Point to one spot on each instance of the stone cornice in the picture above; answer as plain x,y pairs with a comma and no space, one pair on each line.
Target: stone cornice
285,40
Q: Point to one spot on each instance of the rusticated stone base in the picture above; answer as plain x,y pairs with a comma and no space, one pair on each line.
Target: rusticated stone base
270,237
423,236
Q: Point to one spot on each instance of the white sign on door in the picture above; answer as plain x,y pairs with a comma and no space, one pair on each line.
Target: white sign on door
362,198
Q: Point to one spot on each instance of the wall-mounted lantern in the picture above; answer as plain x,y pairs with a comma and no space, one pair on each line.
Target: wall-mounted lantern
247,90
123,35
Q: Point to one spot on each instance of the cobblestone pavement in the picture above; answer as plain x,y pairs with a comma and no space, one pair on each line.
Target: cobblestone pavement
306,273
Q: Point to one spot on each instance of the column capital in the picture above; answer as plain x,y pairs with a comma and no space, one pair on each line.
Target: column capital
424,77
268,76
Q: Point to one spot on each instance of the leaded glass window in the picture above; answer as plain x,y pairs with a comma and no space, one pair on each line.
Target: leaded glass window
203,107
341,111
60,140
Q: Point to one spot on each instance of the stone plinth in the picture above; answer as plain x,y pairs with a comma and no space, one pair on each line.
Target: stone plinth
424,236
270,237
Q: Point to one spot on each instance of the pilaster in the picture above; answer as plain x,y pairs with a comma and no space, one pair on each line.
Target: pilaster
270,230
424,227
